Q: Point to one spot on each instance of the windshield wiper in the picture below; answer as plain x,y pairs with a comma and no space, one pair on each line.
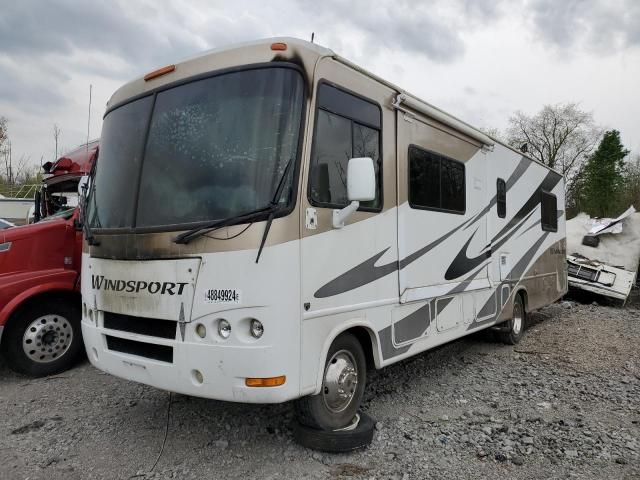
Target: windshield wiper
189,235
271,209
274,207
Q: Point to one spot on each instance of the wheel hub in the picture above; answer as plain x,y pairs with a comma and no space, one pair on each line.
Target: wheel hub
340,381
47,338
517,319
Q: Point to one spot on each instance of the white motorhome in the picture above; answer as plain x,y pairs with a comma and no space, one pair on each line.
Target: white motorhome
267,220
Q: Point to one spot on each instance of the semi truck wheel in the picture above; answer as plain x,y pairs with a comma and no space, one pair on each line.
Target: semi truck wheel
43,338
342,387
515,327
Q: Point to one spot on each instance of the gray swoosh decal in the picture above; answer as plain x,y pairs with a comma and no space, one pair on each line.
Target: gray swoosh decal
367,271
414,325
560,213
462,264
516,273
511,181
358,276
549,182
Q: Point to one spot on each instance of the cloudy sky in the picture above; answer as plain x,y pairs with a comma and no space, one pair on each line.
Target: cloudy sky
478,59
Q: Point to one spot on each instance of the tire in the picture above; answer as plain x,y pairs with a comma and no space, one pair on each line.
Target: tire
515,327
336,441
329,410
43,338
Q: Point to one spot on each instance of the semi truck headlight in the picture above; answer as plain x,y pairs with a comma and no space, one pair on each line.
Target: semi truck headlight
256,328
224,328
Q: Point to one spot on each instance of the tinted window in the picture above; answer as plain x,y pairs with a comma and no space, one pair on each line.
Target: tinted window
346,127
548,212
218,147
337,101
501,198
435,181
111,199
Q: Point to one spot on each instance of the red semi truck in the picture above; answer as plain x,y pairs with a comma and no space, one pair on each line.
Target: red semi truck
40,274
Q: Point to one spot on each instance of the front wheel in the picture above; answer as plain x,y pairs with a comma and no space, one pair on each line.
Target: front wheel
43,338
343,384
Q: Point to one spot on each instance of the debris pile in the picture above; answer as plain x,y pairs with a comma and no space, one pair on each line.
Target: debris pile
603,253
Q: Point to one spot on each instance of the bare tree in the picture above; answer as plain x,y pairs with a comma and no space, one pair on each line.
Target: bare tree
4,135
493,132
56,136
560,136
5,147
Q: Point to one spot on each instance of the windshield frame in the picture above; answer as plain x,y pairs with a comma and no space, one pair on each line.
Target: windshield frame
285,210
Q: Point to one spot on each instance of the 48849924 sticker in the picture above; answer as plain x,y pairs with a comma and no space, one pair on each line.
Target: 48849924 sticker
223,295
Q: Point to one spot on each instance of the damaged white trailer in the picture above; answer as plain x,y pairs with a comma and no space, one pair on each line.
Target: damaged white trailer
604,253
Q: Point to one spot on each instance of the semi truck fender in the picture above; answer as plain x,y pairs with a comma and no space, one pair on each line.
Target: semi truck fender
60,284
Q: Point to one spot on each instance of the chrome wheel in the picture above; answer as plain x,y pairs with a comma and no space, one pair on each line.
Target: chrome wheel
47,338
516,322
340,381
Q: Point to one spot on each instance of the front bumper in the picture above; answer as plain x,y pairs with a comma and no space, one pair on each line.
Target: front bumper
223,368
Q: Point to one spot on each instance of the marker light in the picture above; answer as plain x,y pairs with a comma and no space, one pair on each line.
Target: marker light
265,382
256,328
279,46
224,328
159,72
201,330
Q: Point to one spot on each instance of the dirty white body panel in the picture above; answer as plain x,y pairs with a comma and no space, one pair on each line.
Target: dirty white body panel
600,278
224,364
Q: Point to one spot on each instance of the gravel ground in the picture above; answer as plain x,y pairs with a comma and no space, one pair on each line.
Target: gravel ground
563,403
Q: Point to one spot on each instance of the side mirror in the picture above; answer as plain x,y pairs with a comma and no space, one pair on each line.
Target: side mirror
361,180
361,187
83,185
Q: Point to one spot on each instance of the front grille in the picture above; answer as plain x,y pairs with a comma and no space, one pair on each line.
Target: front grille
585,273
141,349
143,326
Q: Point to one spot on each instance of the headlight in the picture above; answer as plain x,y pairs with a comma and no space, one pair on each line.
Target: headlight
224,328
256,328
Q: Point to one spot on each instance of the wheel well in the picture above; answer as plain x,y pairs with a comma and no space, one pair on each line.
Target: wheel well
525,300
65,295
366,341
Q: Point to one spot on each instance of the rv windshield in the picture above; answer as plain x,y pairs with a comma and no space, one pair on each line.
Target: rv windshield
216,148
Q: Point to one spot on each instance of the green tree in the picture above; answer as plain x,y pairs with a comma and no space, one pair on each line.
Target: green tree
603,182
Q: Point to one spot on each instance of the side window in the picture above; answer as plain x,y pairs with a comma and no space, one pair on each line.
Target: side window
501,198
548,212
436,182
346,127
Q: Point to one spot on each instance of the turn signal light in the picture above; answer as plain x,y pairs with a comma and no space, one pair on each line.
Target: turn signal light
159,72
279,46
265,382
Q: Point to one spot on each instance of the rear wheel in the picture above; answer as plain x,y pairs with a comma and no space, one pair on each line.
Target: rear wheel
515,327
43,338
342,387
